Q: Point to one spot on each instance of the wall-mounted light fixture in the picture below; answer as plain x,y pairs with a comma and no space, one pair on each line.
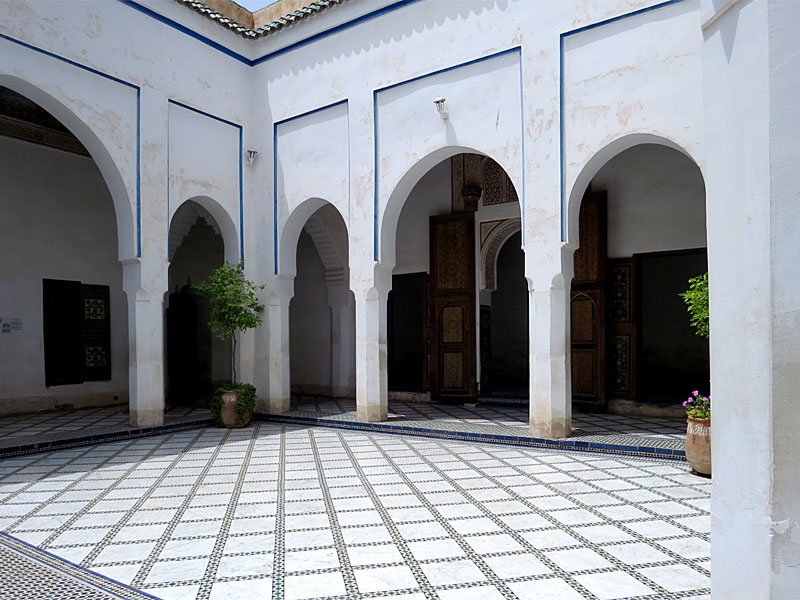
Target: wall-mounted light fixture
441,106
251,157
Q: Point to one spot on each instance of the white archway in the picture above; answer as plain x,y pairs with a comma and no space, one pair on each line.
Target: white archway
126,225
593,166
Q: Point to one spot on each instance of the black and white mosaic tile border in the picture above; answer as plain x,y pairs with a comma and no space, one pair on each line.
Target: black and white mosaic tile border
30,573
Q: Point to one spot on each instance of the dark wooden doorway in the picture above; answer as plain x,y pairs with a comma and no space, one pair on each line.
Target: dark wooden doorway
587,305
452,307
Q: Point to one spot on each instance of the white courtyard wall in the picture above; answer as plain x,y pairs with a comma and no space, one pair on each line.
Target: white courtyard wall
656,201
58,223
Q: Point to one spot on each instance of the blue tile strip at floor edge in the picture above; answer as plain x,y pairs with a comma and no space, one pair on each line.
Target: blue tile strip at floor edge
99,438
69,575
466,436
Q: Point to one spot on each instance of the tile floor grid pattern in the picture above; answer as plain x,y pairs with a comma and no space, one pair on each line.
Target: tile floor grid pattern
279,556
338,541
585,541
476,558
150,561
474,489
222,537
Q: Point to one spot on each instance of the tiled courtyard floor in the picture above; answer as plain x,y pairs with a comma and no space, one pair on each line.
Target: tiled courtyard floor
293,512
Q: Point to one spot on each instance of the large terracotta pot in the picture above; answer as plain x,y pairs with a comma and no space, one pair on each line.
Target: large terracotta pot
698,445
228,411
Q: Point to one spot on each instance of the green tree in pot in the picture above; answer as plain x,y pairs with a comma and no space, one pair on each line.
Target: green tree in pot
698,407
234,307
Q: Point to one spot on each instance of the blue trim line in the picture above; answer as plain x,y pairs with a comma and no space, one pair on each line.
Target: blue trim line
562,145
522,149
253,62
139,172
59,559
275,196
275,165
138,123
485,438
375,225
333,30
183,29
241,183
241,201
518,49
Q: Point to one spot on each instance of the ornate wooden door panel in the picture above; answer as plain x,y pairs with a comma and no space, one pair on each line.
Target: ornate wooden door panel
622,328
587,304
452,306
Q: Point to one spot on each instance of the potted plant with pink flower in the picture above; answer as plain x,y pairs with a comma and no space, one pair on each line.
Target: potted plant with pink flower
698,407
698,432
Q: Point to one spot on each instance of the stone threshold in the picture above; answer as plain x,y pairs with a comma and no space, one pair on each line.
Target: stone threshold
614,444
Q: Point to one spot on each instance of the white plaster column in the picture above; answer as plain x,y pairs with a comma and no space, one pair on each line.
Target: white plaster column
372,382
751,83
340,301
280,383
548,330
145,278
145,349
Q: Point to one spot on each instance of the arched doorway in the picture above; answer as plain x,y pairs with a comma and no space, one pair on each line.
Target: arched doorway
64,329
642,236
447,240
197,360
322,310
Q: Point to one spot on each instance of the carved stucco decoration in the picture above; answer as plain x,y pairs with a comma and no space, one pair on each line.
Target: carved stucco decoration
493,235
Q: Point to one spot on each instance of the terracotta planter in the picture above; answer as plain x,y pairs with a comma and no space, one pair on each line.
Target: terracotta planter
228,411
698,445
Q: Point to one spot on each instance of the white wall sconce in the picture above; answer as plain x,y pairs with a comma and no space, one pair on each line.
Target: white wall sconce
251,157
441,106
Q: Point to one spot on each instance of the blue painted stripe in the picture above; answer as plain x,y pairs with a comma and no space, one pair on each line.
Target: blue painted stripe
311,111
333,30
253,62
204,113
275,165
562,144
241,202
522,149
375,169
133,86
275,196
138,172
59,560
191,33
241,151
478,437
518,49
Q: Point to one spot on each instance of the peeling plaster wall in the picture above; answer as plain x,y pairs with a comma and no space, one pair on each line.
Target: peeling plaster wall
58,223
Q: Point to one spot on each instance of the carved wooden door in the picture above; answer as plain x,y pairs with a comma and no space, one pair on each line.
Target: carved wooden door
587,304
452,306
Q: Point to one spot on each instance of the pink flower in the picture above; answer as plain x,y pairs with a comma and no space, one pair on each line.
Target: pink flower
695,393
